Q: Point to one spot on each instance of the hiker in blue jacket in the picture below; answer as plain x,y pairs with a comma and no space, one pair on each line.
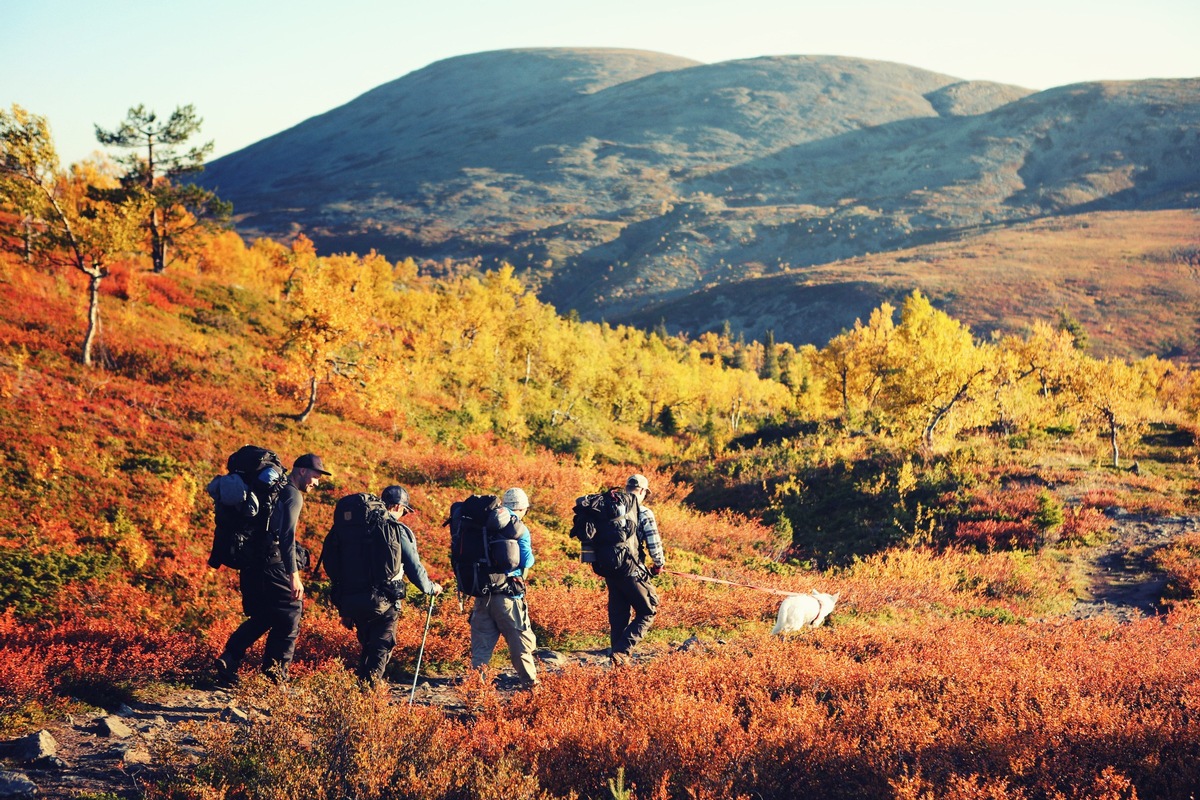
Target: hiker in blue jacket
504,612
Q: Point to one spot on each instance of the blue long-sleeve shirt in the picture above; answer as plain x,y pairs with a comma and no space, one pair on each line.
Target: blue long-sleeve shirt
284,521
411,560
525,547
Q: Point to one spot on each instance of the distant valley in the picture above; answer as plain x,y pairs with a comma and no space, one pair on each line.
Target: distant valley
790,193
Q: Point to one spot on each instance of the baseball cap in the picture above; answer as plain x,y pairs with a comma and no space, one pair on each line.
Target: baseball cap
637,482
311,461
396,496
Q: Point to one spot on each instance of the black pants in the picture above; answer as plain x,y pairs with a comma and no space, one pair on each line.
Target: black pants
267,601
629,594
377,635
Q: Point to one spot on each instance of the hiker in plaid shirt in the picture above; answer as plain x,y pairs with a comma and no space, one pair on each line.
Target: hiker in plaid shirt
634,593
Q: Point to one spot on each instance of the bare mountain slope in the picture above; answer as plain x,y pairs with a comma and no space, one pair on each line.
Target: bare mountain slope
1131,278
618,181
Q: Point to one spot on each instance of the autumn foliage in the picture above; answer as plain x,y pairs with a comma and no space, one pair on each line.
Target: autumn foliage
955,709
939,483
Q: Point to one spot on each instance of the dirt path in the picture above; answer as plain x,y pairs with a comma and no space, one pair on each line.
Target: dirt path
1123,579
111,754
108,754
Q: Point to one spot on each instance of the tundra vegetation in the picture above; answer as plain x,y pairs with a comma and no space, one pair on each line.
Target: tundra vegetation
945,487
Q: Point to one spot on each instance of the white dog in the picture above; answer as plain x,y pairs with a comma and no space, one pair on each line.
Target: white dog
800,611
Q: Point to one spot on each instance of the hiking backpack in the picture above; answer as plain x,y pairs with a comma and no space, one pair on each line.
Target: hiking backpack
605,523
243,500
483,544
362,555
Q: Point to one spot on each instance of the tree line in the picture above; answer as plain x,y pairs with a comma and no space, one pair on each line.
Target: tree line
485,351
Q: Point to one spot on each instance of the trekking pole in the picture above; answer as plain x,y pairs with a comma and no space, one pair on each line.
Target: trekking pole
421,652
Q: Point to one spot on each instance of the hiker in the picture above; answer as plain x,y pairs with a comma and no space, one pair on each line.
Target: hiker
376,629
630,591
272,593
503,610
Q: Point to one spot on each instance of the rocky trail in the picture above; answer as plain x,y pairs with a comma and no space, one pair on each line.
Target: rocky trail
104,756
1123,580
109,755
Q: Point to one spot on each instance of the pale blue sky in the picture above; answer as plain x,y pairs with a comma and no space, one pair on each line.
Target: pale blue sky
256,67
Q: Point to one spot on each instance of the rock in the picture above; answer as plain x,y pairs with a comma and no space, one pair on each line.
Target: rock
232,713
34,746
113,727
16,784
689,644
136,754
125,711
153,727
50,763
550,657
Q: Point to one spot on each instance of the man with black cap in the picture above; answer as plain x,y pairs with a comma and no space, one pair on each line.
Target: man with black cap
273,595
376,629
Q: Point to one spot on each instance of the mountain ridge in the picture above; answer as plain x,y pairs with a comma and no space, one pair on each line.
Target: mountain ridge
618,182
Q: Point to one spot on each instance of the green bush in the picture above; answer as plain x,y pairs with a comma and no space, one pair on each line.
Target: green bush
29,580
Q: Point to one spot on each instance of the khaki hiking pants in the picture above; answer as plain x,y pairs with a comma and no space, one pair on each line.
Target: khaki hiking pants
499,615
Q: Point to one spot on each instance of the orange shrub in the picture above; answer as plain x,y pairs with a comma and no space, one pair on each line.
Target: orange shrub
991,533
1181,561
961,708
1083,523
100,661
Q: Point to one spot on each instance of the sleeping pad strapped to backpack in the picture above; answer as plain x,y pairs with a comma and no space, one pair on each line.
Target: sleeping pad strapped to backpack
243,500
483,544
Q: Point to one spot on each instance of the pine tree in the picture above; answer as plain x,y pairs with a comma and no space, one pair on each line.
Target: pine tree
770,367
155,168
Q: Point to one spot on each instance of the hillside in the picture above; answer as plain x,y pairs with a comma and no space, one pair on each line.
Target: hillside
1131,279
955,643
619,183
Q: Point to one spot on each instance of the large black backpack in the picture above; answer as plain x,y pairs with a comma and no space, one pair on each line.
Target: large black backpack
361,555
483,544
606,525
243,501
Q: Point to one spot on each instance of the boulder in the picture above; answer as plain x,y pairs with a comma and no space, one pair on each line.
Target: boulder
33,747
114,728
16,784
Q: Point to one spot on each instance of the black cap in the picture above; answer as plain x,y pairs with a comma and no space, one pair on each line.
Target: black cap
311,461
396,496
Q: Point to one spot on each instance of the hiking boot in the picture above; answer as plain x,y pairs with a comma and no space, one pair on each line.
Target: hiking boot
621,660
277,674
227,676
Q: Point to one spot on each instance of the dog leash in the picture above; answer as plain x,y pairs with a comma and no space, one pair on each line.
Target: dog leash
707,579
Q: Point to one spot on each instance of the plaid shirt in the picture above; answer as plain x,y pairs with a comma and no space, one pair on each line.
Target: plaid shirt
648,533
